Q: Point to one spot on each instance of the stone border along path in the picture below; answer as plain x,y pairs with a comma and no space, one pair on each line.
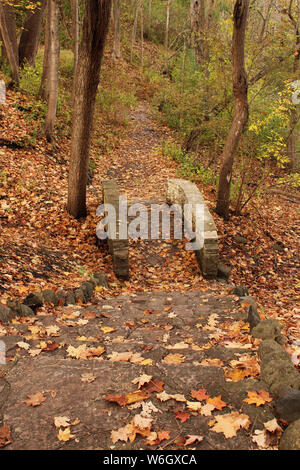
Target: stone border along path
118,248
179,192
34,300
277,371
183,192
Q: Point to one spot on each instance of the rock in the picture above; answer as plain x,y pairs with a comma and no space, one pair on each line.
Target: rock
79,295
253,317
223,271
278,373
269,350
70,298
290,439
18,309
268,329
34,300
288,404
240,240
88,290
101,279
240,291
6,314
26,311
49,297
62,295
15,306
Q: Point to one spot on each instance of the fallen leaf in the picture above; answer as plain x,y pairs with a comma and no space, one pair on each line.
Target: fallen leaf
5,437
62,422
193,439
65,435
142,380
35,400
199,395
217,402
183,416
173,359
258,398
229,424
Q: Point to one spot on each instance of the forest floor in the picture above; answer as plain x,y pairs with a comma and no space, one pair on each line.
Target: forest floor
41,246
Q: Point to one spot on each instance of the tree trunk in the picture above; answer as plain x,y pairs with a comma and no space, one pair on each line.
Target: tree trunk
9,35
30,36
117,34
134,28
198,28
142,33
44,88
149,18
95,28
75,30
52,78
293,139
167,24
3,51
240,118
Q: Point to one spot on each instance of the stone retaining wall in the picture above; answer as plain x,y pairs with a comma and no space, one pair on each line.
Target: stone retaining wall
183,192
117,247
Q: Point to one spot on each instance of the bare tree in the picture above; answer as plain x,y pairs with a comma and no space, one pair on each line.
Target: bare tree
167,24
292,140
31,32
44,88
52,78
240,118
95,28
117,33
9,35
75,30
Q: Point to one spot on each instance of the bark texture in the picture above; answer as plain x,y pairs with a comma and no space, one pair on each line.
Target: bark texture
241,109
9,35
52,78
95,28
30,36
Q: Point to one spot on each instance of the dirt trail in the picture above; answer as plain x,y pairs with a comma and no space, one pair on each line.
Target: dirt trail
141,175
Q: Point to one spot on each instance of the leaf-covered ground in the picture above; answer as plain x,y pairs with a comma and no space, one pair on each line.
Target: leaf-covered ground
41,246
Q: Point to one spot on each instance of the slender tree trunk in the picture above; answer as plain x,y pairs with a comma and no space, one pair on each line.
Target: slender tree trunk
117,33
9,35
44,88
240,118
95,28
167,24
3,51
294,132
149,17
52,78
134,28
30,36
75,30
142,33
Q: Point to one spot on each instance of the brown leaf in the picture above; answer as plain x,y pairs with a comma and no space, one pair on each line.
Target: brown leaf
199,395
5,437
36,399
183,416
